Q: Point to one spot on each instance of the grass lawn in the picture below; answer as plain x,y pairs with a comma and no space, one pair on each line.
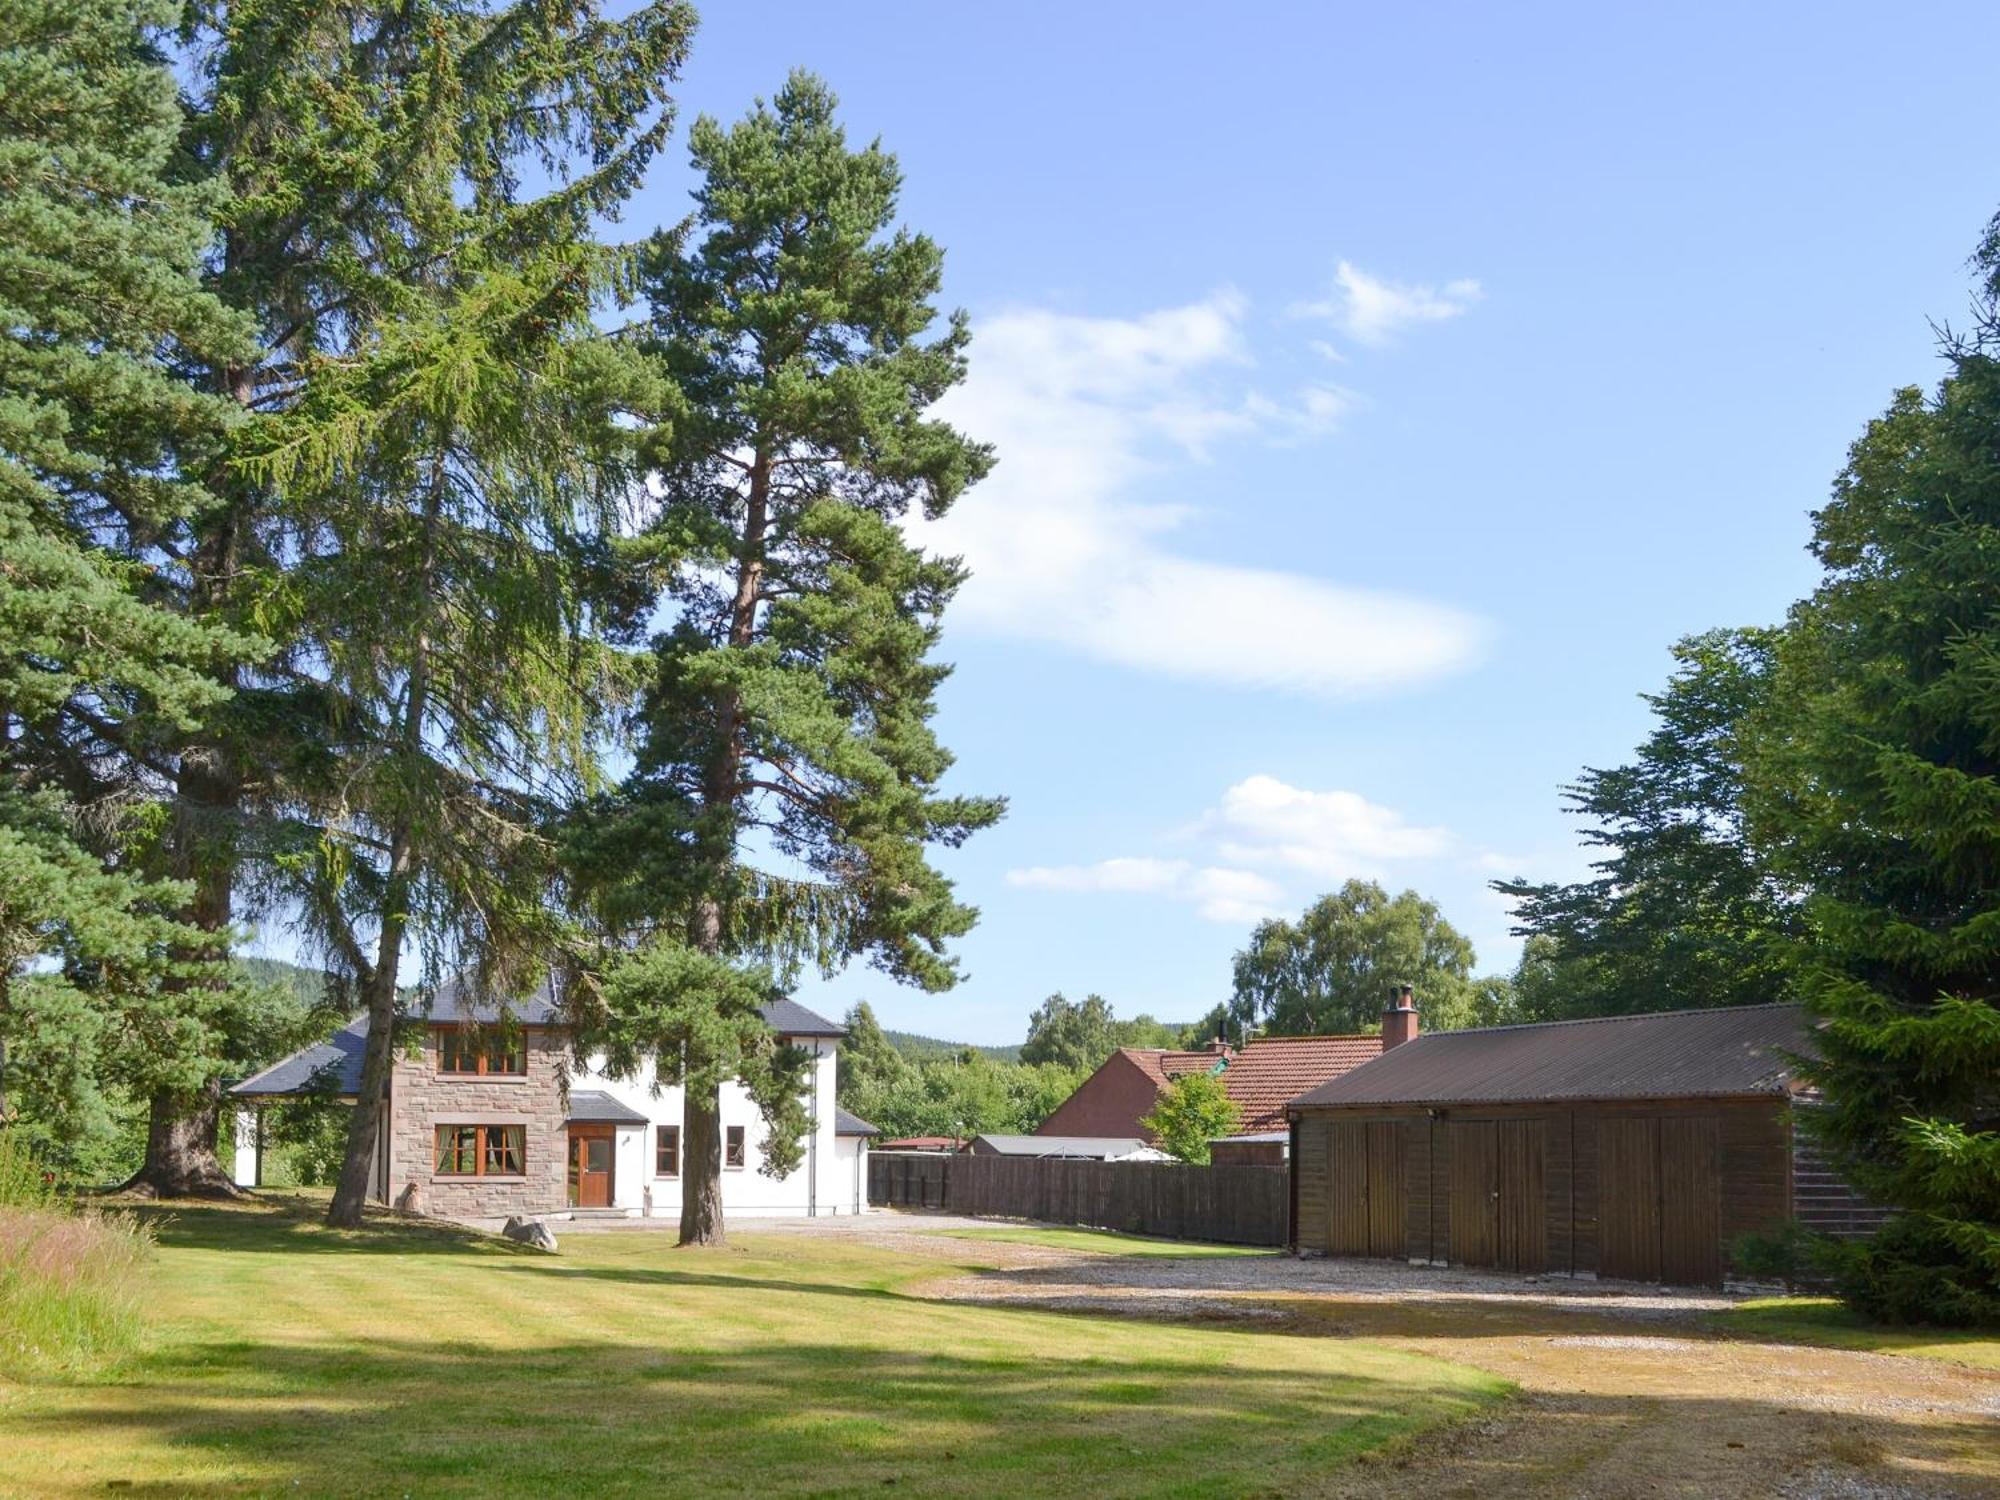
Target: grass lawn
1822,1320
1106,1242
407,1360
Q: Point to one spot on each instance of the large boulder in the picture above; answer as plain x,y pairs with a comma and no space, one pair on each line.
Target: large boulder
530,1232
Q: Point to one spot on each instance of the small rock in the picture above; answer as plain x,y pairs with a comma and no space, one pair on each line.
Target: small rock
529,1232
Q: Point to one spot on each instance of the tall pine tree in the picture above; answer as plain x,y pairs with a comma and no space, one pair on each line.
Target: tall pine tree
786,782
1874,778
104,451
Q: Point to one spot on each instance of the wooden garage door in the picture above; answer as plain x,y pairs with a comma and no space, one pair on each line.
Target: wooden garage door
1366,1178
1498,1210
1660,1192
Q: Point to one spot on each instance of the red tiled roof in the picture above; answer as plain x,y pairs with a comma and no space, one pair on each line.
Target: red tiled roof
1161,1066
1270,1072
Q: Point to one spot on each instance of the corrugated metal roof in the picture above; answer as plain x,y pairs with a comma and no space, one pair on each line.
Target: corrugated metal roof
846,1123
1092,1146
1669,1055
594,1106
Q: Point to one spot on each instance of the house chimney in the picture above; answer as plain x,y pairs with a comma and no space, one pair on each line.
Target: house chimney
1399,1017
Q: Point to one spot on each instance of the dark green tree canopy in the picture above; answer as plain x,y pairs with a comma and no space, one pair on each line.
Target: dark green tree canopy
1683,911
1331,971
1873,778
786,784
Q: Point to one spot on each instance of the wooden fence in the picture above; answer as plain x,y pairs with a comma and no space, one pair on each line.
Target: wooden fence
1230,1205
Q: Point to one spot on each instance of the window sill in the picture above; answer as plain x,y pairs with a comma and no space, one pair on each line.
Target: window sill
479,1177
443,1077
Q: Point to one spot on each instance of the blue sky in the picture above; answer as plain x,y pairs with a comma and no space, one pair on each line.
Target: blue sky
1379,392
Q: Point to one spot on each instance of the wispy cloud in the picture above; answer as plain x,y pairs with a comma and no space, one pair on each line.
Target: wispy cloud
1266,848
1220,895
1373,309
1085,409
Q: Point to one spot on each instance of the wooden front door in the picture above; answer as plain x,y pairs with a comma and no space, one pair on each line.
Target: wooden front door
590,1159
1497,1206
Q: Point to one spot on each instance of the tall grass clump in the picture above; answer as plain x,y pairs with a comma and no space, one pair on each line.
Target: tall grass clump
69,1276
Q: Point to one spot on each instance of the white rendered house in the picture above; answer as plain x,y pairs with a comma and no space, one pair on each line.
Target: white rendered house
484,1124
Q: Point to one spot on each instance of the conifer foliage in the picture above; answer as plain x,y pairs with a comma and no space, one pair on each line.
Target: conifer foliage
785,791
105,450
1874,779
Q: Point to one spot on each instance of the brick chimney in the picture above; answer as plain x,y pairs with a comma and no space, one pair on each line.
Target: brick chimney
1399,1017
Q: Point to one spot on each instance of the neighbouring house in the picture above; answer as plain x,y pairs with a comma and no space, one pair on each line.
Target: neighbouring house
937,1143
1637,1147
1066,1147
484,1121
1262,1078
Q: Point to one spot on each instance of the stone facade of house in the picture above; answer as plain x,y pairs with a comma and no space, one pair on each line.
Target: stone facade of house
423,1098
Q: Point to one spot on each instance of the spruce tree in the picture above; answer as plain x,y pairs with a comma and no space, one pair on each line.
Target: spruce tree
1874,778
105,450
785,789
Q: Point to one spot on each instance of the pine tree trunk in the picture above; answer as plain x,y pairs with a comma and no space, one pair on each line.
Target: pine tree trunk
701,1111
701,1168
350,1191
182,1129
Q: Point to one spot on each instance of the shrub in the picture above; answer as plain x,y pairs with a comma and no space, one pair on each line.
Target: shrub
24,1181
69,1278
1789,1256
1914,1270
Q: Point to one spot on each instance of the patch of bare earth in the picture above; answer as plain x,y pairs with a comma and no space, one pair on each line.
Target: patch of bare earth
1622,1392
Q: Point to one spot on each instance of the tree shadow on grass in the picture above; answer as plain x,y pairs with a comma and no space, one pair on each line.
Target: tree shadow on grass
295,1224
827,1416
591,1417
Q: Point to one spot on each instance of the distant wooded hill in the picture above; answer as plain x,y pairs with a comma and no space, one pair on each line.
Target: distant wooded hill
920,1048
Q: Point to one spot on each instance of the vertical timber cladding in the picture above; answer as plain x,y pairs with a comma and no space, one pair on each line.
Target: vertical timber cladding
1660,1198
1498,1194
1367,1207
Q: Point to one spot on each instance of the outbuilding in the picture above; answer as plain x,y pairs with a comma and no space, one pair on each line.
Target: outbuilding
1637,1147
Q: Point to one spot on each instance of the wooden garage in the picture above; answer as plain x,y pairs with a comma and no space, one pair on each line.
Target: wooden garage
1636,1147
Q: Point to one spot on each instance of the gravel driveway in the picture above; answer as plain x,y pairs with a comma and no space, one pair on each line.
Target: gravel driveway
1624,1390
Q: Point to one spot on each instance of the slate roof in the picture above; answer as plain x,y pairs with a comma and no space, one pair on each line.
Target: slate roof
596,1106
789,1018
845,1123
340,1054
1727,1053
1270,1072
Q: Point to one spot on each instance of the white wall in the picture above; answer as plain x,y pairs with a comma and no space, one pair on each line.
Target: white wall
823,1183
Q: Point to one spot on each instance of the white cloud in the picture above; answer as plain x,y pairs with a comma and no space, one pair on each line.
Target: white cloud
1082,410
1373,310
1221,895
1331,835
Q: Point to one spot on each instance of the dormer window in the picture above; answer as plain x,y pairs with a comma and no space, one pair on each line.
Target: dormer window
468,1054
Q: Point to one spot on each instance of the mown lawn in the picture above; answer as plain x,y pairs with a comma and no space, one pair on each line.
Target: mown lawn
1823,1321
405,1360
1107,1242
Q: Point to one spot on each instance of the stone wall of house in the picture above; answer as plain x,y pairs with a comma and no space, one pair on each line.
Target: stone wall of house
421,1100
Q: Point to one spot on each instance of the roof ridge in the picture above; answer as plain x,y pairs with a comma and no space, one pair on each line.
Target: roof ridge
1325,1036
1633,1015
